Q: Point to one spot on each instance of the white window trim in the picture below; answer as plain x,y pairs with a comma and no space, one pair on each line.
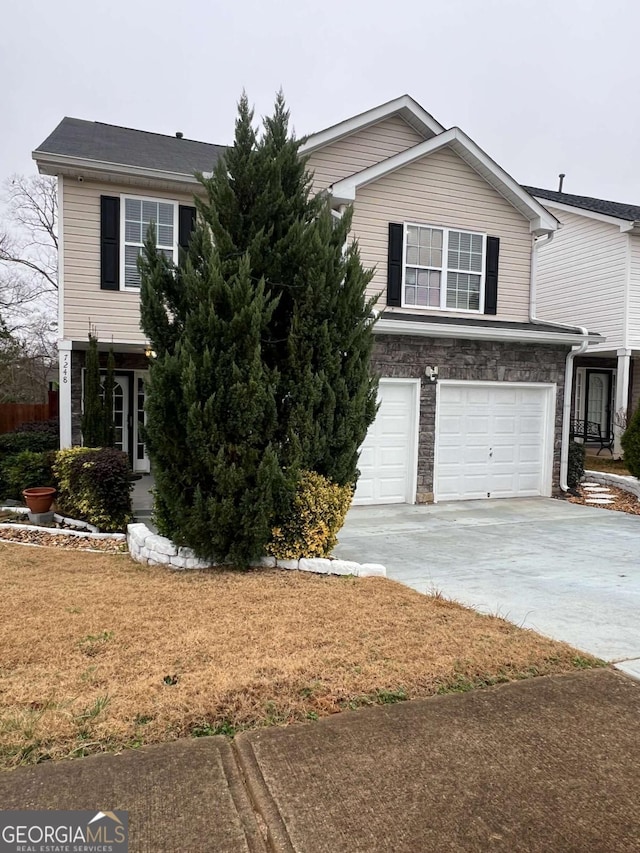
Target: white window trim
157,200
444,269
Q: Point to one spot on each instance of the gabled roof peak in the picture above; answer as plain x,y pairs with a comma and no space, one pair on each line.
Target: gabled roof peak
405,107
541,221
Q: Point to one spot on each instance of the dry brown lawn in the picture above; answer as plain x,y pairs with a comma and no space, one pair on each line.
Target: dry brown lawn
99,653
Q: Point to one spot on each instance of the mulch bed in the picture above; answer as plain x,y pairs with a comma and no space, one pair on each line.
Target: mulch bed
60,540
622,501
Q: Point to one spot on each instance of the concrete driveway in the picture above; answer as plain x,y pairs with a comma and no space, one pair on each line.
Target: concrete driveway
567,571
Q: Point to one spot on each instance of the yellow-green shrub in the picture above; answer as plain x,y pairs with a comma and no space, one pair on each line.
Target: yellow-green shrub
94,485
318,512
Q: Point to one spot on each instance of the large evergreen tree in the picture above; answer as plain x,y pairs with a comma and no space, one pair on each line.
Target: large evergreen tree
263,336
319,341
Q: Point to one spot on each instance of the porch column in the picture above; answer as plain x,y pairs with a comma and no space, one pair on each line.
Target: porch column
64,394
622,398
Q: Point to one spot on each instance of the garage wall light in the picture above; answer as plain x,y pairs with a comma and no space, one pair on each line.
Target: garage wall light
431,373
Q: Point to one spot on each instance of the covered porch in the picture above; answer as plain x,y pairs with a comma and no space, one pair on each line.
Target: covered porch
606,392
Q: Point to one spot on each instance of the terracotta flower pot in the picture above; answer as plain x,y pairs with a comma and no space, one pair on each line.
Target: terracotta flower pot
39,499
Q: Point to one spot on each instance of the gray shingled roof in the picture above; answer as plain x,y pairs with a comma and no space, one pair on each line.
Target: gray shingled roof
93,140
631,212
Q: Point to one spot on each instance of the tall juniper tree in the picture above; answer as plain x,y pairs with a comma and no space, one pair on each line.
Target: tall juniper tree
109,388
259,201
263,336
93,412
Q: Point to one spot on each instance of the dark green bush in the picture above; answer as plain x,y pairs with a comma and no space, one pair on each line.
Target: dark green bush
575,468
16,442
631,444
24,471
50,428
94,484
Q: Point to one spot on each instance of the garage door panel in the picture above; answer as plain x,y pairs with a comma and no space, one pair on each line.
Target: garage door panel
498,447
478,425
504,425
476,396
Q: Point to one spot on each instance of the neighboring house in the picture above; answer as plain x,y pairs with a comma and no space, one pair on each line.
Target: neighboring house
472,385
590,274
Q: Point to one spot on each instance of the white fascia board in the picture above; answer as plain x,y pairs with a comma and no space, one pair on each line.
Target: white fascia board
117,346
386,326
540,219
404,106
623,224
50,164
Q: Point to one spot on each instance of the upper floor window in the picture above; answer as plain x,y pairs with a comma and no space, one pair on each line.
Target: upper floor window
443,268
139,213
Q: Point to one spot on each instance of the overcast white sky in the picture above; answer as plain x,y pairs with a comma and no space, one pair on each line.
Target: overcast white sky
543,86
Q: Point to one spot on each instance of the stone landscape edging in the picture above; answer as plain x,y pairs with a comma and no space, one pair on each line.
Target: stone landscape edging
628,484
154,550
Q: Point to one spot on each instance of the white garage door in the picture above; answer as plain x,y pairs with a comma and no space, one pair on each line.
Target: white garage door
493,440
388,456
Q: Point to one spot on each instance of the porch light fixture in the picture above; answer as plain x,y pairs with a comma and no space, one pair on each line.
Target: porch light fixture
149,352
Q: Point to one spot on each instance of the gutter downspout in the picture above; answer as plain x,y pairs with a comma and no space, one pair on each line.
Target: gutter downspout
566,409
568,373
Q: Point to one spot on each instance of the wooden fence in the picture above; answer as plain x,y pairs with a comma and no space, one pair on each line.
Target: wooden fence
14,414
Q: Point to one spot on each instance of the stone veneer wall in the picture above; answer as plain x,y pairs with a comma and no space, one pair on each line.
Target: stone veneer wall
124,361
405,356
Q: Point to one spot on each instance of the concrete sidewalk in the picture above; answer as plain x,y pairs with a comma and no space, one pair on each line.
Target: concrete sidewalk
549,764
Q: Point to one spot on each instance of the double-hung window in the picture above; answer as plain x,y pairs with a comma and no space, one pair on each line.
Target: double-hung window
137,214
443,268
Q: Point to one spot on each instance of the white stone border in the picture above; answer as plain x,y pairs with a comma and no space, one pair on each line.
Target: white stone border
153,550
628,484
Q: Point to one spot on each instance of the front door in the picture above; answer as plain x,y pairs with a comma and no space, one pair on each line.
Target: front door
121,412
598,399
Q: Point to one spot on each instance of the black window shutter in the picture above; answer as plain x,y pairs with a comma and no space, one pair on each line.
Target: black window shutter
186,224
394,265
491,276
109,242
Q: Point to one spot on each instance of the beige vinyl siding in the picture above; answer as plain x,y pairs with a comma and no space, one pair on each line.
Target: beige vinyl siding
443,190
581,277
115,314
361,150
633,318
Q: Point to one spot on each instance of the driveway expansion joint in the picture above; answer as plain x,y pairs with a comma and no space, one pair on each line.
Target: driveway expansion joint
264,806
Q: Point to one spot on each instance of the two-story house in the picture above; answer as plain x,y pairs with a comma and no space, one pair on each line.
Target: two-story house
590,274
472,384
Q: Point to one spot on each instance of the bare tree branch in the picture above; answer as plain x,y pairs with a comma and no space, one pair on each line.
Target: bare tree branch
29,238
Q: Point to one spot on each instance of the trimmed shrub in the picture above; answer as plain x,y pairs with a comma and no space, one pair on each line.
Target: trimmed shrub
318,512
575,466
630,442
15,442
94,484
50,428
24,471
